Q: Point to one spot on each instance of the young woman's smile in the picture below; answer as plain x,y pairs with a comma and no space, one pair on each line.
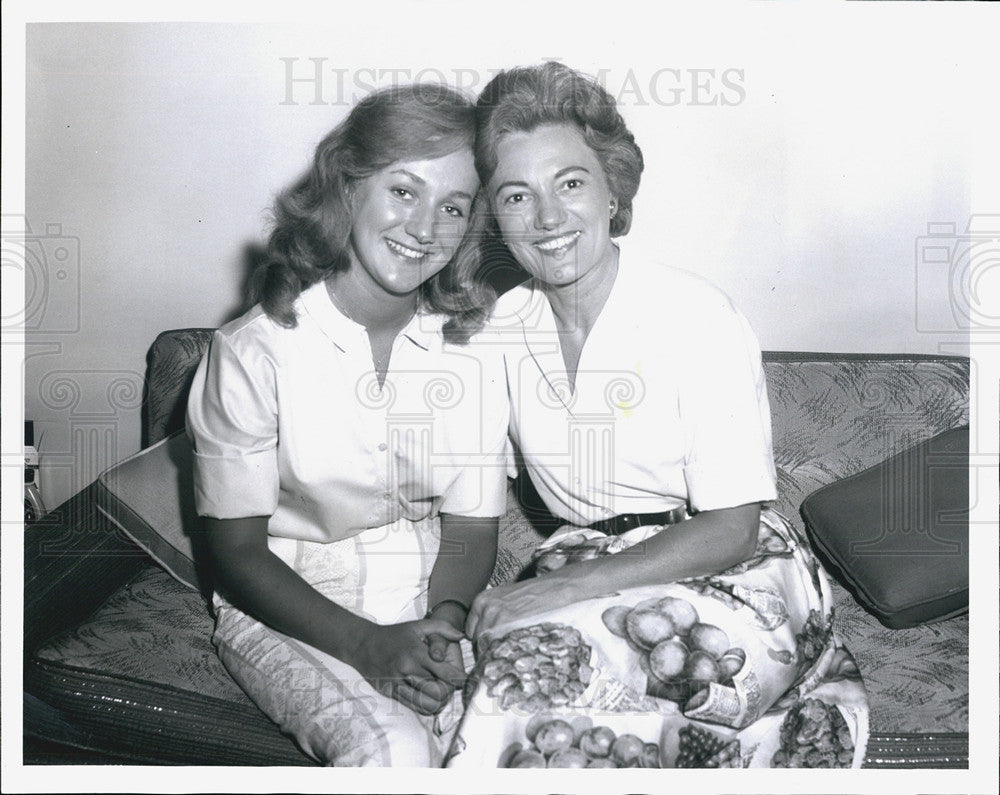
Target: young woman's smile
408,220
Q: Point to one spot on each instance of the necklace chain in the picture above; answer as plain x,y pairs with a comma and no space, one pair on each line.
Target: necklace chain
340,307
343,310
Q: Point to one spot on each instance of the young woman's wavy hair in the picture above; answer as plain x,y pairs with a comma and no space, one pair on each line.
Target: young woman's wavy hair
310,237
526,97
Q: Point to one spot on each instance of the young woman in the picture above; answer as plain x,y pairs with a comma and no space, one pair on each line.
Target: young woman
351,448
640,411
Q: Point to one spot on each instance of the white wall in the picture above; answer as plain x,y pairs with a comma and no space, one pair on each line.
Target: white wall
156,148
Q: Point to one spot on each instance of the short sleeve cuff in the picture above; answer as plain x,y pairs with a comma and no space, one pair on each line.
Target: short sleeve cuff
479,491
715,488
236,487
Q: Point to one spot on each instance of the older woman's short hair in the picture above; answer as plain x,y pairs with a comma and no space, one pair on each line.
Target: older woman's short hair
526,97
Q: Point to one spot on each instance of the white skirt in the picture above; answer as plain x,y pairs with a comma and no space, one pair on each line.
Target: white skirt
325,705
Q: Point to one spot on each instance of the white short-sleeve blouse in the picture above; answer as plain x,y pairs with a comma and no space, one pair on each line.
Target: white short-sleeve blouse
670,404
291,424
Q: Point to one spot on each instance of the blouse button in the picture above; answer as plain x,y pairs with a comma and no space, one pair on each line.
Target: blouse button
382,447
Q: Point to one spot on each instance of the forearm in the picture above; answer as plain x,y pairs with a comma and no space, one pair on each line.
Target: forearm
465,561
265,587
709,542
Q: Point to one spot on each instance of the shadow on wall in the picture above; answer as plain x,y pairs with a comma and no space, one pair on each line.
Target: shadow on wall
254,257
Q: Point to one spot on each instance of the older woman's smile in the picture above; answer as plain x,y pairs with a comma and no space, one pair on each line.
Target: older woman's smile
557,245
552,204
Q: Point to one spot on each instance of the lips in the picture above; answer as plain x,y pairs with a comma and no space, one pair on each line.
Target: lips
405,251
552,245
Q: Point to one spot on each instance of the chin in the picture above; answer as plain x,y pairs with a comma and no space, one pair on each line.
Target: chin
401,290
561,276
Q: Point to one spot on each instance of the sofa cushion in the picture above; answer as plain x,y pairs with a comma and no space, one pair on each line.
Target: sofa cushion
141,673
150,498
897,533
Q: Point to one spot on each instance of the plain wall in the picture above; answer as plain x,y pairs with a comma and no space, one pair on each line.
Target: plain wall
799,172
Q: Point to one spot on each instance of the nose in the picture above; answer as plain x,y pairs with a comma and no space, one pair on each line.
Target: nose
549,213
420,224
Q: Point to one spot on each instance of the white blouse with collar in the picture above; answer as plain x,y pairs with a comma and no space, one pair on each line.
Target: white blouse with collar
670,404
291,424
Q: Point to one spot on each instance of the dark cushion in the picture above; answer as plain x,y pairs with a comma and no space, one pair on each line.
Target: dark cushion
897,534
140,678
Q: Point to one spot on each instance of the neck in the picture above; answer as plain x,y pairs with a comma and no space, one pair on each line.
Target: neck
577,305
376,312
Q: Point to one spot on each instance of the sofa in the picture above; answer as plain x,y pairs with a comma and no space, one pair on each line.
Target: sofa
118,663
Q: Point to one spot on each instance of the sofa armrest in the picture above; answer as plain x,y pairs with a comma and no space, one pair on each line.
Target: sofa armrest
73,560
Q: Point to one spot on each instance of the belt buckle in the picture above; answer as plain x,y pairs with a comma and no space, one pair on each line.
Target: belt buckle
628,521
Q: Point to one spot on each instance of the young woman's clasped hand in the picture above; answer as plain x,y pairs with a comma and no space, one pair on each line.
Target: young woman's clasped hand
417,662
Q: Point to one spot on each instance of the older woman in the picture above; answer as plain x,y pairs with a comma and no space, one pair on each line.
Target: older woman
651,366
640,412
345,433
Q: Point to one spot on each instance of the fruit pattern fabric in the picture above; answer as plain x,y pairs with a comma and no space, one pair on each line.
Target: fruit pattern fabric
814,734
576,741
534,667
741,669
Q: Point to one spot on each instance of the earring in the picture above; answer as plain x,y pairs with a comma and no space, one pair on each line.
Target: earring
613,205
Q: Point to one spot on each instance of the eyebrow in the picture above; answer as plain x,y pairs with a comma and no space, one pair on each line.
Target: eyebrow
421,181
410,174
560,173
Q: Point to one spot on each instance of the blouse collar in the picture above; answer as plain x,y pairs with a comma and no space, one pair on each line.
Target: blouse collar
423,329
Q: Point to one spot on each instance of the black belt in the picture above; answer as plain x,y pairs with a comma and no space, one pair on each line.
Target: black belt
617,525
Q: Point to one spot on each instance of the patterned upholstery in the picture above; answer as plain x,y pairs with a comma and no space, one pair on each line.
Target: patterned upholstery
143,665
143,669
171,363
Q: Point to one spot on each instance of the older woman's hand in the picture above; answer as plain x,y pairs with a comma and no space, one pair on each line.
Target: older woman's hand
520,600
708,543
